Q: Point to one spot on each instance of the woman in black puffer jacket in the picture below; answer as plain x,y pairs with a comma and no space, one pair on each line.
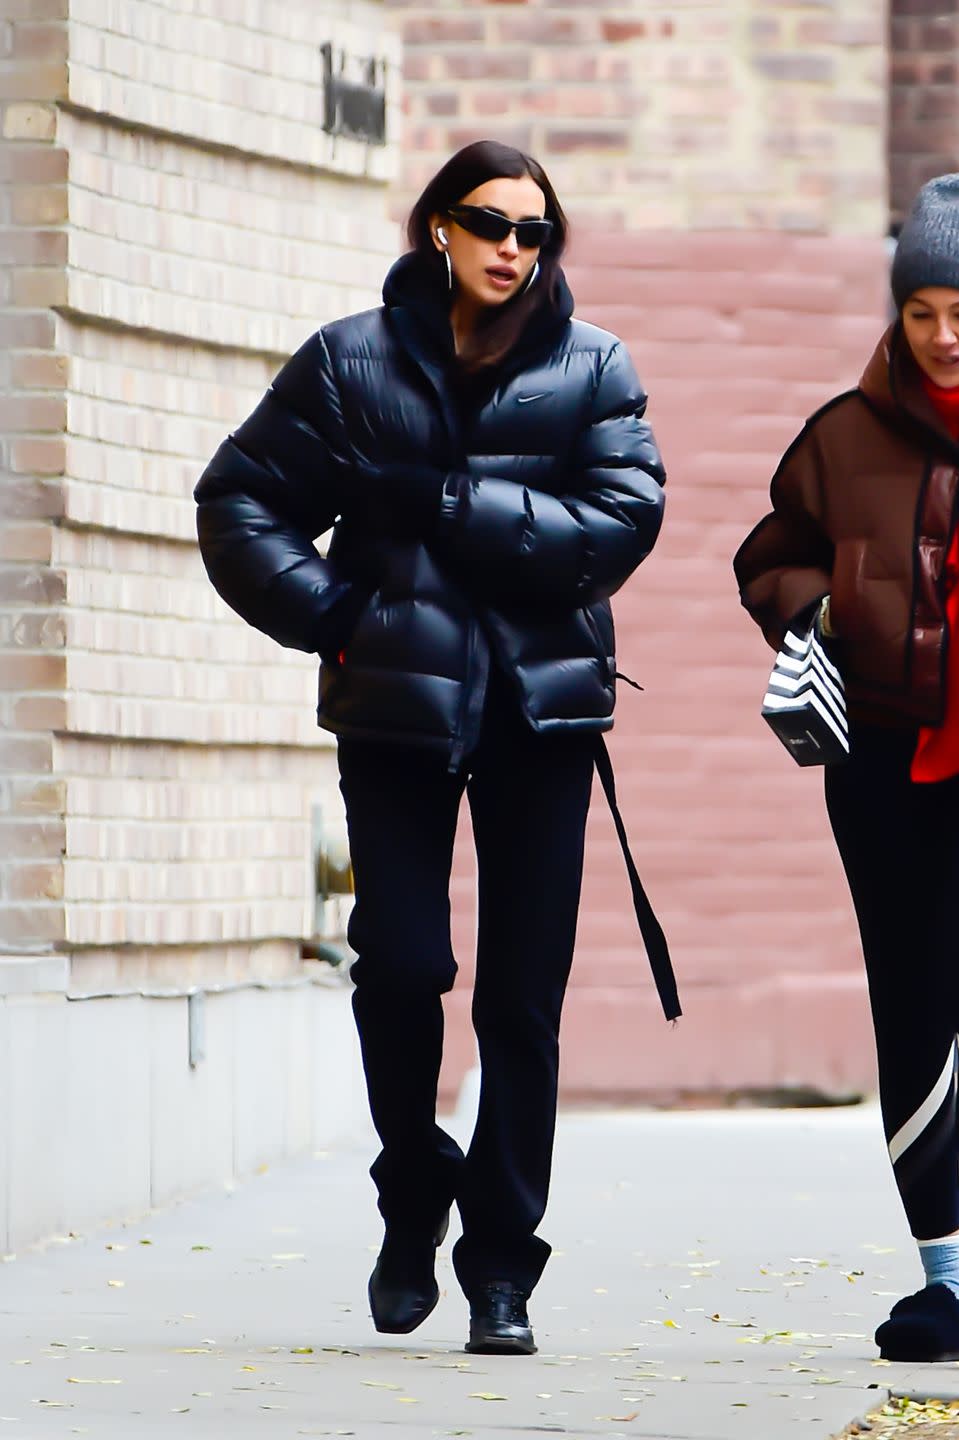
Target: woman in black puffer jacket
490,479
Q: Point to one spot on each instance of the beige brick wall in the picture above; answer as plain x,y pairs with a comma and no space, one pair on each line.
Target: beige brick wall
173,222
32,405
664,115
226,248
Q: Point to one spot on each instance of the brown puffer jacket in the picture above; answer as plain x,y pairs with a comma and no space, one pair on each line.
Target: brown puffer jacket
864,502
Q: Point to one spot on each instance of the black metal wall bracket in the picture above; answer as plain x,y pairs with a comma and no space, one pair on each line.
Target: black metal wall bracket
354,106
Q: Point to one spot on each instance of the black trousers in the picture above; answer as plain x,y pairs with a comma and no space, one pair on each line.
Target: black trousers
528,796
899,844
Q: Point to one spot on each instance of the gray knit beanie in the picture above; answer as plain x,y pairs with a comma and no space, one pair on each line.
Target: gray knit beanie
928,249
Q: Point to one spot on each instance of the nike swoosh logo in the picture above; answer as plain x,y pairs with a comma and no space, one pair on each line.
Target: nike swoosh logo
528,399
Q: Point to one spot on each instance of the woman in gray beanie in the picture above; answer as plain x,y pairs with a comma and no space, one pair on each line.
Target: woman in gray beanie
862,534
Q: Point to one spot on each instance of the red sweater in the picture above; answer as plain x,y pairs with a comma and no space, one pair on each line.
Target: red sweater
937,751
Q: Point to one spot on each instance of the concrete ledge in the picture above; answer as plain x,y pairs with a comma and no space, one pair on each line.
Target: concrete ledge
113,1106
34,974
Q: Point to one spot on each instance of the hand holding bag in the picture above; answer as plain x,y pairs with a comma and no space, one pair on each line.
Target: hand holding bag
805,703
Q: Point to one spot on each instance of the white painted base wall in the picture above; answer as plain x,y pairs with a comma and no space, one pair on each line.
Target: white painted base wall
102,1116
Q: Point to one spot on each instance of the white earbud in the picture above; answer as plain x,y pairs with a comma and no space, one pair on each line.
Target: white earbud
441,235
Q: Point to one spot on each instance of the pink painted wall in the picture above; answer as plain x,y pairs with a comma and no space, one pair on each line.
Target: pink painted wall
738,337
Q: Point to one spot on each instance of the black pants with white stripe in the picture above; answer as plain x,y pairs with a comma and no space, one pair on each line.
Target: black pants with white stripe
899,844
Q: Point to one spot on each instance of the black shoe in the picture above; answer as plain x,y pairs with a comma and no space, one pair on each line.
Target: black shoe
922,1328
907,1303
499,1324
403,1288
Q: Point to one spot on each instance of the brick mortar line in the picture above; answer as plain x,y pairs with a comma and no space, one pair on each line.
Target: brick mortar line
136,907
165,292
376,12
169,456
77,652
86,652
89,527
385,257
89,396
255,747
216,147
129,742
106,323
218,183
229,226
206,58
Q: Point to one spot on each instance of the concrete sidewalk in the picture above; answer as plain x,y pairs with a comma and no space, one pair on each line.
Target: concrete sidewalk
716,1276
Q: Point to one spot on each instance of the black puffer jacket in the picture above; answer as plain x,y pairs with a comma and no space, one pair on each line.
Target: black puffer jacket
551,496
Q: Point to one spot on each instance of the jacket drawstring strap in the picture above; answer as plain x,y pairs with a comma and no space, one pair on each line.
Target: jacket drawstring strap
649,927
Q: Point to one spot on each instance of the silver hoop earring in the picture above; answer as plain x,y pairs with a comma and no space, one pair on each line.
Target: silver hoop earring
532,278
449,268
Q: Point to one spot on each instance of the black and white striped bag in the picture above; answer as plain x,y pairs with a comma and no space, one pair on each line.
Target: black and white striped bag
805,702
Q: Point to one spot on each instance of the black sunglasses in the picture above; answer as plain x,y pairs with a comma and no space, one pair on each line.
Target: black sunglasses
491,225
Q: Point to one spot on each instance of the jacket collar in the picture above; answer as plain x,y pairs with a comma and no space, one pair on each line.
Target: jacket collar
415,289
892,384
415,297
418,313
418,307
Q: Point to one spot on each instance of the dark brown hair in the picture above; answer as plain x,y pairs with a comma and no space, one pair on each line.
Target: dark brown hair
463,172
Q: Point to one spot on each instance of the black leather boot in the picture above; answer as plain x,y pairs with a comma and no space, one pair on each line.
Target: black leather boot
403,1288
499,1324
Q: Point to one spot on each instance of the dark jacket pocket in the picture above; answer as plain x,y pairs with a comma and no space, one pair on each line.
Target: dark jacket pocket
866,605
867,615
339,621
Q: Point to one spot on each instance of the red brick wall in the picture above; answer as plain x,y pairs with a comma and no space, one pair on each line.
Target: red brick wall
665,114
924,96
